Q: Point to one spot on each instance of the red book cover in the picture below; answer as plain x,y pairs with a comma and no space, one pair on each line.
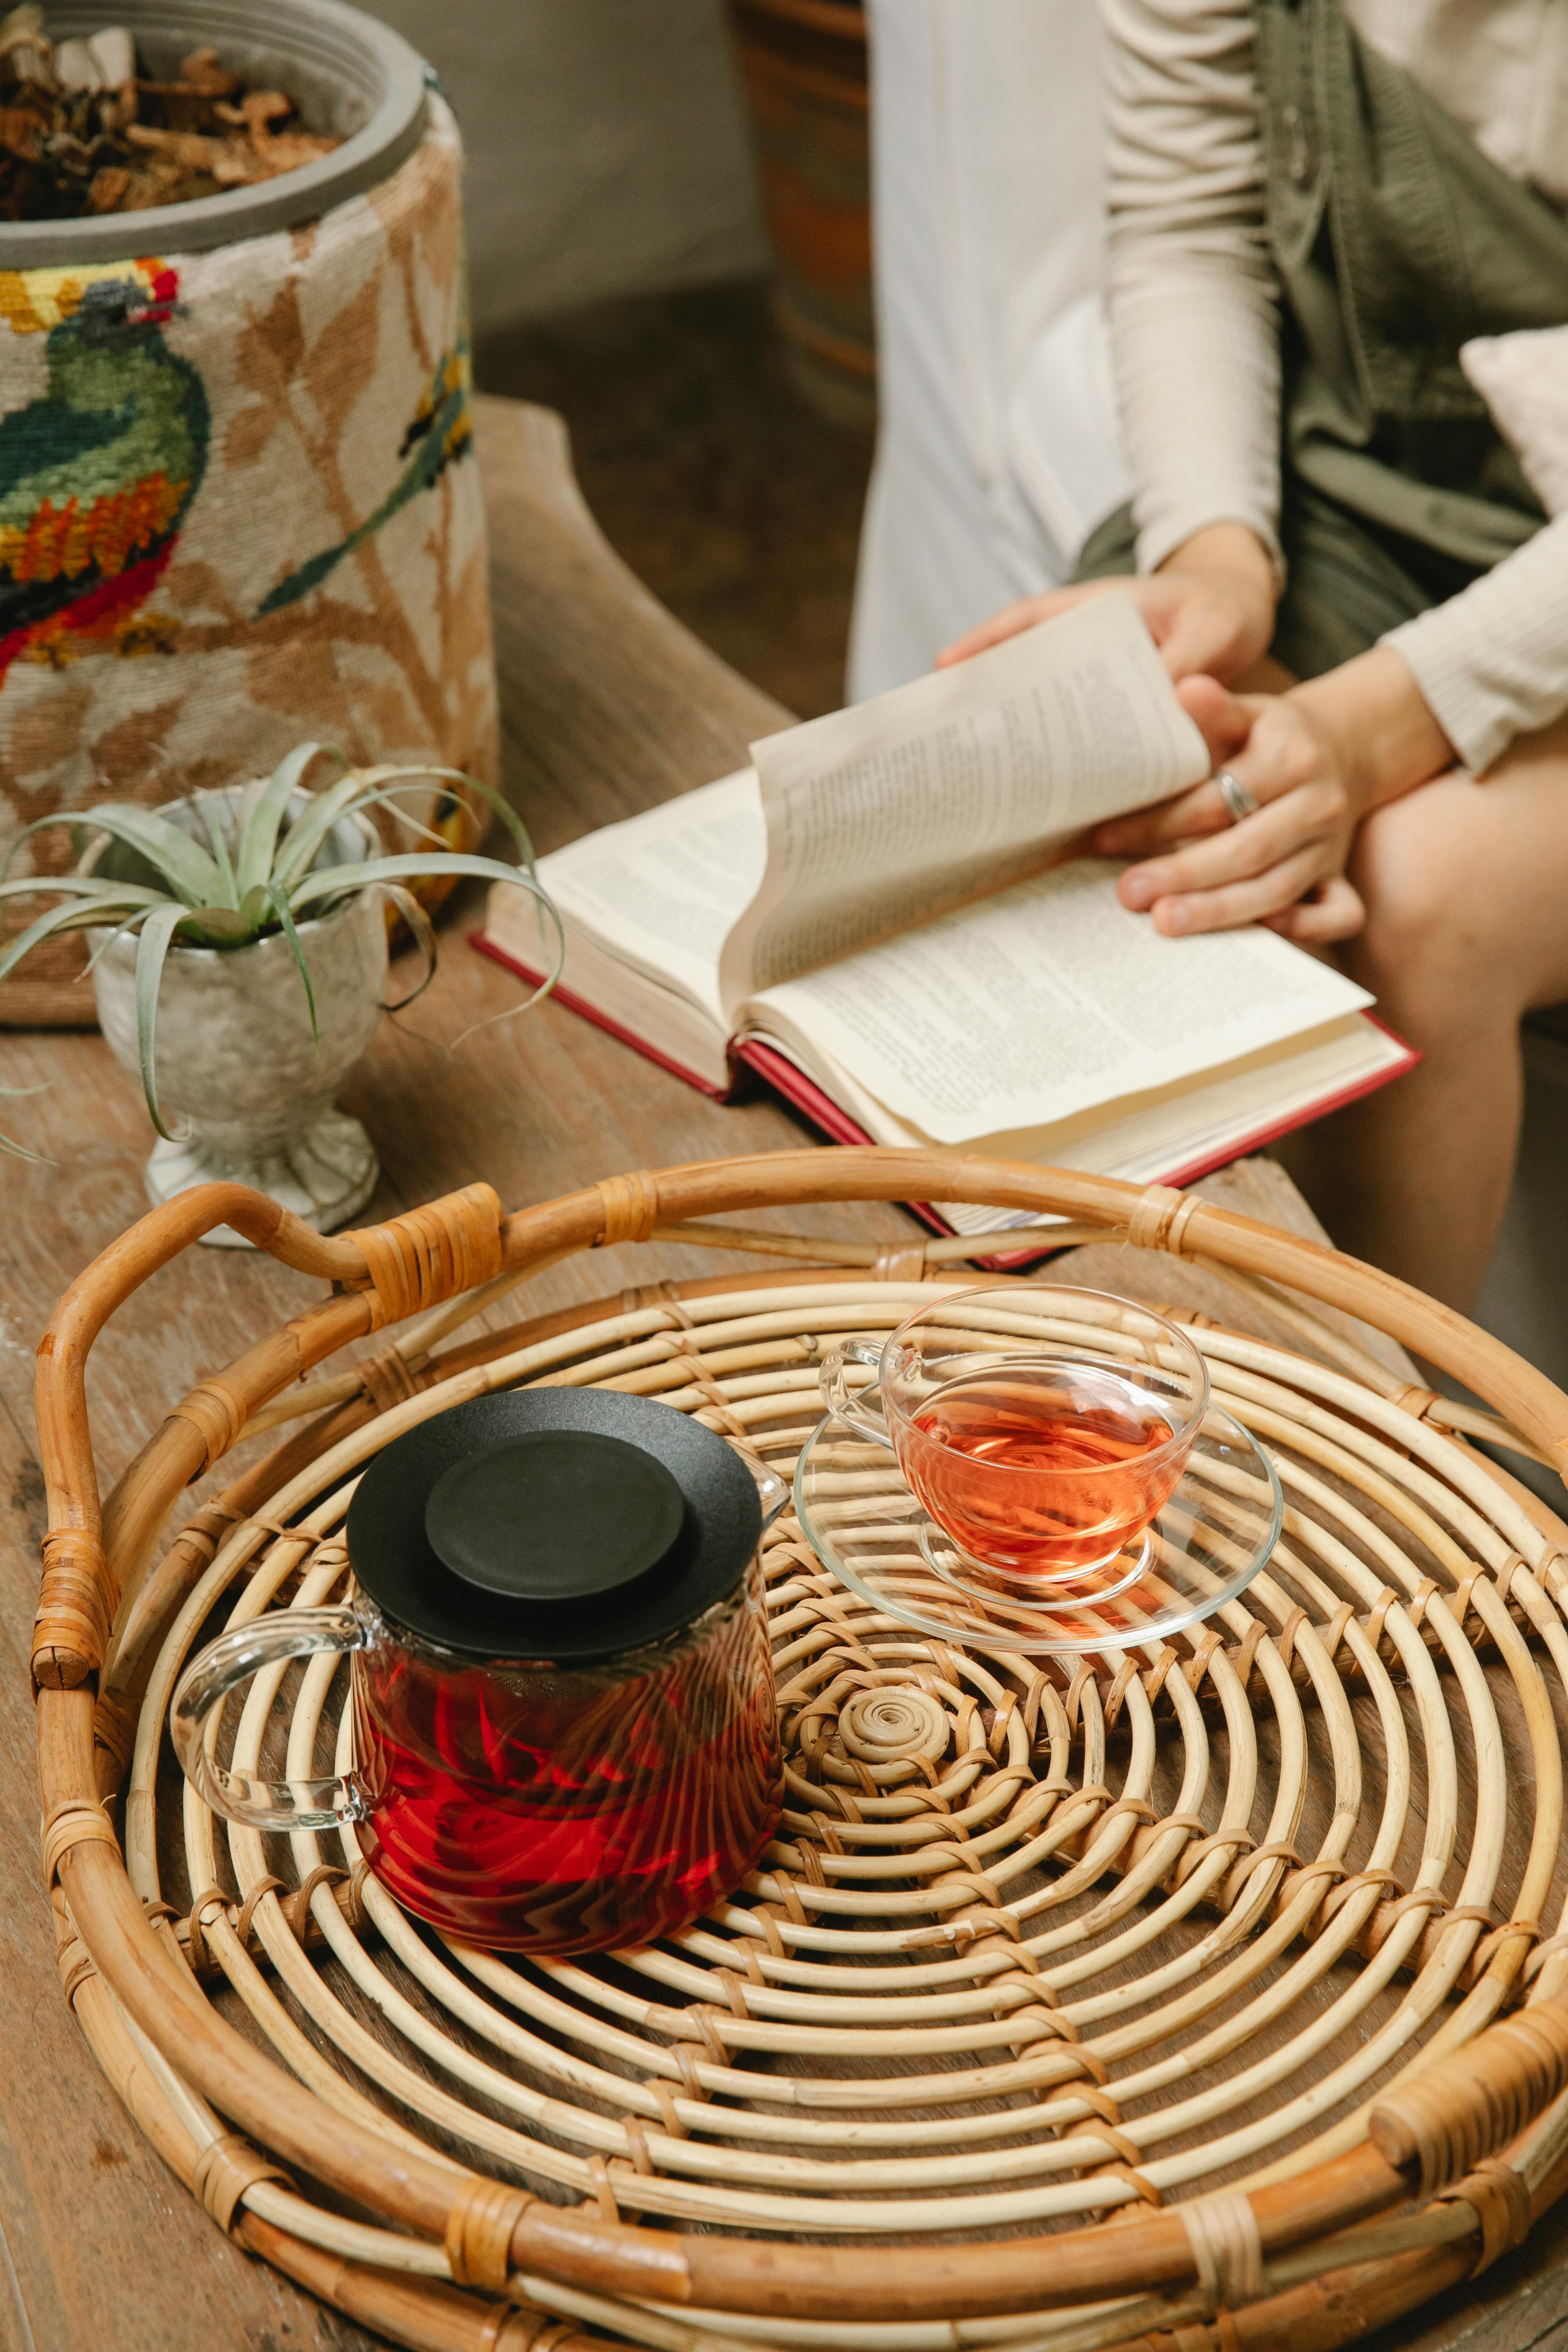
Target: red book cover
560,995
786,1079
777,1071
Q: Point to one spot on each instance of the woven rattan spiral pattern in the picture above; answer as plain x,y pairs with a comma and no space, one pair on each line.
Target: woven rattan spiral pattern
1039,1944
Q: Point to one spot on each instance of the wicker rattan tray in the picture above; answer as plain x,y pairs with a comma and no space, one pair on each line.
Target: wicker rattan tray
1214,1989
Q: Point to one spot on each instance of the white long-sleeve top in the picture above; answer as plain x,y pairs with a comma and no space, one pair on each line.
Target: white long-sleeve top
1194,306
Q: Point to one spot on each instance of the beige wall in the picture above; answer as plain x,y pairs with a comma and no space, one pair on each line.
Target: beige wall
607,145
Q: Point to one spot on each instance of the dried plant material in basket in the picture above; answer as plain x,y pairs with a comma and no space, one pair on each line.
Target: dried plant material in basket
82,131
1120,1993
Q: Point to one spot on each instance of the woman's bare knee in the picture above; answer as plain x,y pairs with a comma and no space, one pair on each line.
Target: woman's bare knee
1443,950
1464,884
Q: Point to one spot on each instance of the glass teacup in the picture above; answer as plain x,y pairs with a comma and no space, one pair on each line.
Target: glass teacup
1041,1429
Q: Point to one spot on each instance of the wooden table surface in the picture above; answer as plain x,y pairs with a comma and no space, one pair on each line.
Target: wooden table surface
609,707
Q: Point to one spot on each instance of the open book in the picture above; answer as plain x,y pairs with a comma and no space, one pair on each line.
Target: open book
884,917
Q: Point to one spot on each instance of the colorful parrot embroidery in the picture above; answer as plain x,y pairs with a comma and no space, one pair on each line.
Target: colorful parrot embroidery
442,430
95,475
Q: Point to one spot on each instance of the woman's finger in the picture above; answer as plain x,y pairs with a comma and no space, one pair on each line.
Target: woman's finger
1299,819
1224,720
1226,909
1227,722
1332,911
1143,832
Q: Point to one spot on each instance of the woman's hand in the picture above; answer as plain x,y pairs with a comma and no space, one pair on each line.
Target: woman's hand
1317,760
1284,864
1209,608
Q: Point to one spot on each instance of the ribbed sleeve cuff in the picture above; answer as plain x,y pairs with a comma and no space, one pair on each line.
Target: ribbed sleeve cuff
1492,663
1198,370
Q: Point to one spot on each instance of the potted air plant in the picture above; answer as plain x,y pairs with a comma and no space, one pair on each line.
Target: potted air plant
245,954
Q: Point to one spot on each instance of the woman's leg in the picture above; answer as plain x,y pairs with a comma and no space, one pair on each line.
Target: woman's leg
1466,887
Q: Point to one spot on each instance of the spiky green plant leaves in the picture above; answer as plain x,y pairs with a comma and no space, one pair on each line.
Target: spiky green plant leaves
268,865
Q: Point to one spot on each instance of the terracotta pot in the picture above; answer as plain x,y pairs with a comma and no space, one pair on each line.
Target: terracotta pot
803,70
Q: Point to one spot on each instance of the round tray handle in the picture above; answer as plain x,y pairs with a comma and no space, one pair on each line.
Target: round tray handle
1470,2105
420,1259
70,1629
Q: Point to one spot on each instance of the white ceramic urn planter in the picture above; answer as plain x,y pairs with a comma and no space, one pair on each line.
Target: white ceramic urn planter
246,1089
243,1085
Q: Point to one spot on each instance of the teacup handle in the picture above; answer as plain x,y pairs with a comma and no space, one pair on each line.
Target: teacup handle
221,1667
864,1419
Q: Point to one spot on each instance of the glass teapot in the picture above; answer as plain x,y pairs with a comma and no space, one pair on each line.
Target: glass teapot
564,1728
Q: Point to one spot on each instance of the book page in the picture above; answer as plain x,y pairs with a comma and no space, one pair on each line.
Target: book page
881,816
664,890
1045,1000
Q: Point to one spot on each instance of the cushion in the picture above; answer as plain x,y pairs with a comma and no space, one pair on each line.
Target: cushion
1524,379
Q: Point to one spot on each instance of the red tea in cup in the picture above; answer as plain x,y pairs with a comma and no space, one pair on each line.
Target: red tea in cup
1041,1429
1091,1462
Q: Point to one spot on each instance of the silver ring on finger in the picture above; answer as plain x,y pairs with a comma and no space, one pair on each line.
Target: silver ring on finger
1238,801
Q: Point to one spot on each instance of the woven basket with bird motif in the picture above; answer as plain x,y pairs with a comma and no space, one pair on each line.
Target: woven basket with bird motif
239,511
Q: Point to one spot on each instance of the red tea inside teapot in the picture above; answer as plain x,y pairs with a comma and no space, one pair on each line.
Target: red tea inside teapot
565,1735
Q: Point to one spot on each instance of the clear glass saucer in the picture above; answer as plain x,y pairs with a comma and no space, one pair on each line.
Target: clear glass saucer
1204,1547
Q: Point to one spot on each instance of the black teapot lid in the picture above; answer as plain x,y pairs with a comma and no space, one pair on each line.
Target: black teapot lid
559,1524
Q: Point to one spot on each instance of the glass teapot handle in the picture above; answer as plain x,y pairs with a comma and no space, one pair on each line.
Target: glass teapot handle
773,1491
221,1667
862,1418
